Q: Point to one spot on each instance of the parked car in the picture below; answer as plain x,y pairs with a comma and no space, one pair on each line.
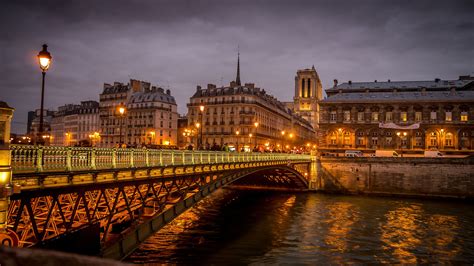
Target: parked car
386,153
433,154
353,154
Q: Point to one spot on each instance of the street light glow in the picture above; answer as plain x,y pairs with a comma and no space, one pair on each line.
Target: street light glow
121,110
44,58
201,107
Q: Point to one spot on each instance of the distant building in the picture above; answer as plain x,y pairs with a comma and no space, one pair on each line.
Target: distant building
308,94
76,124
150,117
230,114
34,121
415,115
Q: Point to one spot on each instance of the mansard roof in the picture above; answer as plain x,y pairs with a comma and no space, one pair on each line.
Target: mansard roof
402,96
154,95
402,85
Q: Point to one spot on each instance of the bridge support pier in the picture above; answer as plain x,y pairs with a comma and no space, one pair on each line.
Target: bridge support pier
315,174
6,188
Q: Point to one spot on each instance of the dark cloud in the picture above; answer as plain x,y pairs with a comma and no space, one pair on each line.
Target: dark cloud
180,44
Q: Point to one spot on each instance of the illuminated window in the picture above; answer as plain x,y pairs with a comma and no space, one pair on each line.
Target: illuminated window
360,116
375,117
417,116
403,116
433,139
448,140
464,116
347,138
433,115
333,138
347,115
388,116
449,116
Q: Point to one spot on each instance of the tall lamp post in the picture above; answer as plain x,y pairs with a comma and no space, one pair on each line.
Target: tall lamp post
121,110
44,59
256,127
201,109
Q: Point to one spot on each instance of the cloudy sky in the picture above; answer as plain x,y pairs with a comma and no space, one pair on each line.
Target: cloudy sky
181,44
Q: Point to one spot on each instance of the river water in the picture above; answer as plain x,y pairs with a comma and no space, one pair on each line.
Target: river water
255,227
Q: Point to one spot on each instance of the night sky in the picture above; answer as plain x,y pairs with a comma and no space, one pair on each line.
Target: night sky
181,44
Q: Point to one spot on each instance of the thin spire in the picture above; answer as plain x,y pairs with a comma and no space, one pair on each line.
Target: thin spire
237,79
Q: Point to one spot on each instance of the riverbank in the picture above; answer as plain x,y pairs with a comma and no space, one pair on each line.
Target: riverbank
451,178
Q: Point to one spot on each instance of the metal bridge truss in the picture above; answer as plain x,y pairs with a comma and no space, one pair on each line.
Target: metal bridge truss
123,199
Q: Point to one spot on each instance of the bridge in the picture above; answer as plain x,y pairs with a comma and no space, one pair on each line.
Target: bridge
113,199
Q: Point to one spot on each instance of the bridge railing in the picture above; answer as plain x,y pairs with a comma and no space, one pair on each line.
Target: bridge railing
28,158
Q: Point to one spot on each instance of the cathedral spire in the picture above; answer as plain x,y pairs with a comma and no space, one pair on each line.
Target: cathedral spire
237,79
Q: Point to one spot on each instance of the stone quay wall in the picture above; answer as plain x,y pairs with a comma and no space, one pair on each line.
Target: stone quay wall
421,177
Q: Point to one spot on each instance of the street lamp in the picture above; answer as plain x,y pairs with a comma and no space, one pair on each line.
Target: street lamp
237,133
256,128
201,108
44,59
121,110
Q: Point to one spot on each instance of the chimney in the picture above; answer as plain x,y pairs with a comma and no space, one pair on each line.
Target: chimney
388,80
350,82
168,92
250,85
198,88
375,81
335,82
211,86
437,80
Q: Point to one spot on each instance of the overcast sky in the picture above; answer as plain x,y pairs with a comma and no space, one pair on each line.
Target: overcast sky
181,44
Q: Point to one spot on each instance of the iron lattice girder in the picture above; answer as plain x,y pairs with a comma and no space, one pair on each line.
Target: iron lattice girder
41,214
274,177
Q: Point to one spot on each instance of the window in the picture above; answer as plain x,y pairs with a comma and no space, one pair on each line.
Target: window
403,116
464,116
360,141
333,138
388,117
347,138
360,116
433,115
448,140
449,116
347,115
375,117
433,139
333,116
417,116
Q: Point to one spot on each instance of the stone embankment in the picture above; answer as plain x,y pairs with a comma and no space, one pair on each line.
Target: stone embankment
426,177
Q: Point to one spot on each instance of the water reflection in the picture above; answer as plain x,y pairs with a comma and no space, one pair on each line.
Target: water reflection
401,233
342,216
232,227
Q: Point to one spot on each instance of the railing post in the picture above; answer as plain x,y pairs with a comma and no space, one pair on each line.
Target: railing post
184,157
215,156
192,156
147,158
93,166
39,159
161,158
172,157
132,153
114,158
68,158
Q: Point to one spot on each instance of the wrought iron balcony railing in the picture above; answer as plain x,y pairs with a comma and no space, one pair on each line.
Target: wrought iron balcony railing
29,158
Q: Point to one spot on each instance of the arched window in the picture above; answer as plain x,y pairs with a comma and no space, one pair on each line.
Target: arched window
302,89
448,140
347,138
309,88
333,138
433,139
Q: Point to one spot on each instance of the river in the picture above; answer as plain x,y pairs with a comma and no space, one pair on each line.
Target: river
255,227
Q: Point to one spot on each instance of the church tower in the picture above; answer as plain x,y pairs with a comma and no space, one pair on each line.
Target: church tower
308,93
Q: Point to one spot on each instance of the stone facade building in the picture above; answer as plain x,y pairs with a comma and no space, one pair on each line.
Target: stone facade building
230,113
414,115
150,115
75,124
308,94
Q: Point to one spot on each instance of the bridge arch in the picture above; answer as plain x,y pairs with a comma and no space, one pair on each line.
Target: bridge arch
272,177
